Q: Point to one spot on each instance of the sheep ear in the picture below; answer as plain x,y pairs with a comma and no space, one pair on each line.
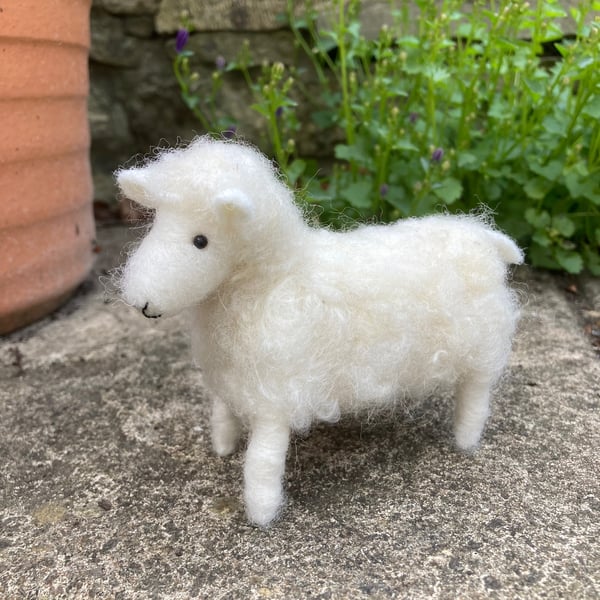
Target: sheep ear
233,203
134,184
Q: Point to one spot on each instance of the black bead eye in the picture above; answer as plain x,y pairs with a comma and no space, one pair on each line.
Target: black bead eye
200,241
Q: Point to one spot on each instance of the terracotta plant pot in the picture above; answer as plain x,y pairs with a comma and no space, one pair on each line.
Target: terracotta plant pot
46,221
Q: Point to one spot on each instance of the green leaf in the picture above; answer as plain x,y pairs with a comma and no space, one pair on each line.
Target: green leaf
324,119
398,198
592,108
552,171
457,98
352,153
537,188
468,161
592,260
381,132
542,257
261,110
539,219
552,11
535,86
295,170
354,29
410,41
493,191
404,145
397,89
563,225
597,234
585,62
414,67
324,45
455,15
358,194
499,109
541,238
579,168
555,125
449,190
562,49
504,172
586,187
435,73
190,101
471,30
569,260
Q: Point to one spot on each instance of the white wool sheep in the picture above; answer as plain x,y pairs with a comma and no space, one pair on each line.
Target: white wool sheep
293,324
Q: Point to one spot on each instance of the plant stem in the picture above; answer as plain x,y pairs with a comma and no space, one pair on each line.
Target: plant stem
346,108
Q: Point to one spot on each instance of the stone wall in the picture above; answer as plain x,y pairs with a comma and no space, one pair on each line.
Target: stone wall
135,102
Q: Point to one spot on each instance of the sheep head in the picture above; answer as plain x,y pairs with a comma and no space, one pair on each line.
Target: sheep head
206,198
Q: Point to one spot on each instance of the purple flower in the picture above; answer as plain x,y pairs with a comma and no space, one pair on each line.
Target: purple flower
183,35
413,117
437,155
279,112
230,132
220,63
383,189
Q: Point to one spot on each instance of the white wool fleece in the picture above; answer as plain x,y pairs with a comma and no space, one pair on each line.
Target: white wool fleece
292,324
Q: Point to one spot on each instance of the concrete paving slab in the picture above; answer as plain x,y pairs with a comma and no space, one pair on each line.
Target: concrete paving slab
109,488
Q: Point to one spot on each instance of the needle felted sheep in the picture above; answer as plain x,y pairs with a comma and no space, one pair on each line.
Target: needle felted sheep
293,324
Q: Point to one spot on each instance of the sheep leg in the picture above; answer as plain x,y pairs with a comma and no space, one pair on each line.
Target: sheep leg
225,428
471,411
264,469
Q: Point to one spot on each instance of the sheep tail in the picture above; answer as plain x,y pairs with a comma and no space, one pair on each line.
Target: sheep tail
510,253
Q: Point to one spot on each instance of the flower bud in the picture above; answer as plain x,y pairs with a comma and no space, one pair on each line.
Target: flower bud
181,39
220,63
437,155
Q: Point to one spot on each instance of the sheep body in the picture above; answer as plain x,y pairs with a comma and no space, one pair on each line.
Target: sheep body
292,324
360,319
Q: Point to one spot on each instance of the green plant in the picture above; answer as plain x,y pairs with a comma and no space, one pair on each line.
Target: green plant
462,112
196,95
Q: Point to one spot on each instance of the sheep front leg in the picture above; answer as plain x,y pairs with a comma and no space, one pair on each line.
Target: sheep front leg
225,428
471,411
264,469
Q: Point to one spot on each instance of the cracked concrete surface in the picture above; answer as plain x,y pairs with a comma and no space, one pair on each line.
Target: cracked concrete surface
109,488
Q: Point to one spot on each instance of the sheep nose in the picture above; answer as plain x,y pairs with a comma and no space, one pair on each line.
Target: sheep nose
148,314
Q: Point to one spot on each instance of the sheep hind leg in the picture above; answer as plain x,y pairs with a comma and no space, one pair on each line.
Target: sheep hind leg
225,428
264,469
471,411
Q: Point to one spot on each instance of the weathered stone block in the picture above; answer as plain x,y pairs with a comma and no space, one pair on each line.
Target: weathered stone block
108,118
141,26
110,44
130,7
264,46
229,15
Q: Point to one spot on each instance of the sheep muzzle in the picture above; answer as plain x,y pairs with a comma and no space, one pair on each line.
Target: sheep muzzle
148,314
